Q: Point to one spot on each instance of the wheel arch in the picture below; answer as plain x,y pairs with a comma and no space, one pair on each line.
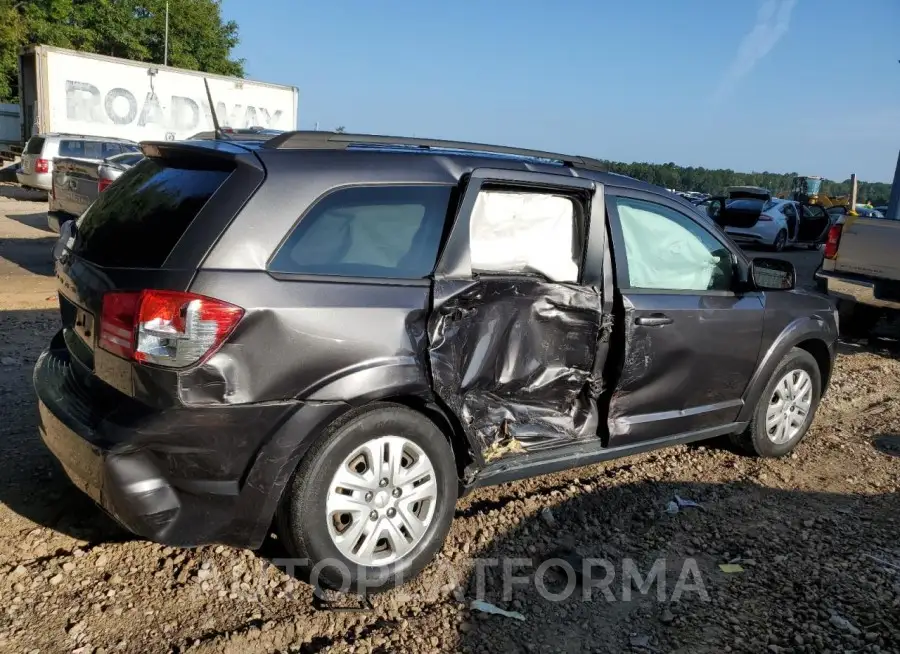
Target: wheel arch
807,333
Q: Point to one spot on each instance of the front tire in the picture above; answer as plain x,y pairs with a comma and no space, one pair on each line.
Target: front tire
785,409
371,504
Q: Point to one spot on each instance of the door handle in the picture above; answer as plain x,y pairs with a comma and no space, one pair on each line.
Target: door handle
656,320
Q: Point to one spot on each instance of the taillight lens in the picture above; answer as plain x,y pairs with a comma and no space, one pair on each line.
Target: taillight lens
42,166
117,323
834,239
103,184
165,328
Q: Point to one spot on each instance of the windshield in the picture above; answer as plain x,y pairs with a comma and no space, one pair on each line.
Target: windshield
813,186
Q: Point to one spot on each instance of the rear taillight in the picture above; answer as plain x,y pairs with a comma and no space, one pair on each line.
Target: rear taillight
42,166
834,239
103,184
165,328
117,323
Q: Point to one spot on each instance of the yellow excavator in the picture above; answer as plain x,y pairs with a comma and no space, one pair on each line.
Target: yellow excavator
807,189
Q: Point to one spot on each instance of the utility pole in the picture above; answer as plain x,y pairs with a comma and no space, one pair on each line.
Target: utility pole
166,45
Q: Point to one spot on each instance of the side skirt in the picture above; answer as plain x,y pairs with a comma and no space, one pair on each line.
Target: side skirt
583,454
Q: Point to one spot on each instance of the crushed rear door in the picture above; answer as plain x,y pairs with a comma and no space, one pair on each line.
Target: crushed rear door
513,334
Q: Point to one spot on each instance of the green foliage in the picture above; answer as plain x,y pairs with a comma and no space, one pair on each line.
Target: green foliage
714,181
132,29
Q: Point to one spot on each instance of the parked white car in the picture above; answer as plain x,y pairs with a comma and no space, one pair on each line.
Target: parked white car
772,222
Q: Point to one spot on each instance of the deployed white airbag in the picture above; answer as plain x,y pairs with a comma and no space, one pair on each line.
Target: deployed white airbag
522,233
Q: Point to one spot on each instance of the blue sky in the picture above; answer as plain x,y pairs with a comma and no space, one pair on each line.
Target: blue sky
810,86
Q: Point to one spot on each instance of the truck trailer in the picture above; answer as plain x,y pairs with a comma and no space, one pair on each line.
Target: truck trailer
64,91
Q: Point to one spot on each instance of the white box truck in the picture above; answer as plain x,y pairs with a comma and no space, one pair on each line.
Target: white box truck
64,91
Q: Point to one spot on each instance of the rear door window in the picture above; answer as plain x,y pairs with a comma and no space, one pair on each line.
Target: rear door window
69,148
371,231
110,149
138,221
35,145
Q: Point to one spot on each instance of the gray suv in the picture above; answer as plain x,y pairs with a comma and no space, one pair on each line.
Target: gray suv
344,333
36,168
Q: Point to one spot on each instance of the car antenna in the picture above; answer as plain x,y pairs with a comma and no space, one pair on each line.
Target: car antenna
220,136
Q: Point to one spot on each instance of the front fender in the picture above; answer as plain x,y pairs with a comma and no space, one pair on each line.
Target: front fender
799,330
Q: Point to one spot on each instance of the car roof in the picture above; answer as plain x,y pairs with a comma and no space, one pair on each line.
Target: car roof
413,160
456,157
82,137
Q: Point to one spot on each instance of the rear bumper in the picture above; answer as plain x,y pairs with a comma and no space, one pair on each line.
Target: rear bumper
760,234
40,181
183,477
863,290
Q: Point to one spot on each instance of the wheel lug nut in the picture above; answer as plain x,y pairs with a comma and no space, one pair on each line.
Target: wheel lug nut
391,513
373,515
383,483
396,492
369,496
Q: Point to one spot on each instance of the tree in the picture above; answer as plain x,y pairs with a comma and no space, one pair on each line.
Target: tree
340,130
131,29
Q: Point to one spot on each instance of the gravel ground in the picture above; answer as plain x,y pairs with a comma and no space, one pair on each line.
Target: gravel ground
814,537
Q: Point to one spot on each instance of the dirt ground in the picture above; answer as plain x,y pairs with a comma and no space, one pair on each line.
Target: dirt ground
814,537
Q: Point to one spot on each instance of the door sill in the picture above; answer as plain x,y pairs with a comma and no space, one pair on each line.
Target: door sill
585,453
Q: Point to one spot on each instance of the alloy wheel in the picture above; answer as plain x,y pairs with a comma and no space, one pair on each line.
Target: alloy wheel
381,501
789,406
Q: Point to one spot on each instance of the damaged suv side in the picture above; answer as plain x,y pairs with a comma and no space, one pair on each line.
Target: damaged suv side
346,332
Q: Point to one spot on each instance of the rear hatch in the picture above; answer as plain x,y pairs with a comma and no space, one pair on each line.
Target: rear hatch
149,231
741,212
32,153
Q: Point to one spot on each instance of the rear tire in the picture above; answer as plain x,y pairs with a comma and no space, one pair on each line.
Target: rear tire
780,241
857,320
350,530
785,409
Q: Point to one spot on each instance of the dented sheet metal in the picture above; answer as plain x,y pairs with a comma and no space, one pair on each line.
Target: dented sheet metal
514,360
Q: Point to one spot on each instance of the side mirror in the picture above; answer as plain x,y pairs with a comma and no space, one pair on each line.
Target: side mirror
714,209
773,274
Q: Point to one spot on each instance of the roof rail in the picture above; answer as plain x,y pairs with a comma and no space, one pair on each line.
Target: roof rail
314,140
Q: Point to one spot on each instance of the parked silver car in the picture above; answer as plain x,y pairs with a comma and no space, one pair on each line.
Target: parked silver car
78,182
36,169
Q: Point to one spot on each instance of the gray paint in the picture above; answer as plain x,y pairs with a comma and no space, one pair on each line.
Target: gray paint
574,372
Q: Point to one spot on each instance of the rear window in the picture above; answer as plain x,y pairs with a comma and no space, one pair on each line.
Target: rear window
138,221
35,145
126,158
87,149
374,231
746,204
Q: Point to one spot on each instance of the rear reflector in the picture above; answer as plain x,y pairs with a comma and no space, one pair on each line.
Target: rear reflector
103,184
42,166
834,239
165,328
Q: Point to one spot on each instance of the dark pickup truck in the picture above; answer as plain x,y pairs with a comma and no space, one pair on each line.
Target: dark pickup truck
78,182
